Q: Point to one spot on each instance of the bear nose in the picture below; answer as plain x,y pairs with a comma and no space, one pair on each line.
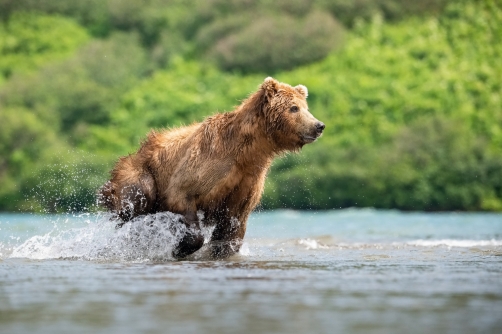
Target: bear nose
320,126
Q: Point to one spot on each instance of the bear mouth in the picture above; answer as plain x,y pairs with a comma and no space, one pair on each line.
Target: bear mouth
309,139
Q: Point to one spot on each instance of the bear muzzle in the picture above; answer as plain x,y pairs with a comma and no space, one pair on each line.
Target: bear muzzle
316,133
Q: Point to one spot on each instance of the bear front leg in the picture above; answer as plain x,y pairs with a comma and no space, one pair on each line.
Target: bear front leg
192,240
227,238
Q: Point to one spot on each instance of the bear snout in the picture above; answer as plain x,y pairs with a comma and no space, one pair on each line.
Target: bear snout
320,127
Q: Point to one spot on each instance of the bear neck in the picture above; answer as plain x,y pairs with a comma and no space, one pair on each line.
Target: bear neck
254,146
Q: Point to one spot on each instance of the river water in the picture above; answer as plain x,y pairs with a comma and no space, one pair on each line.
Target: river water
350,271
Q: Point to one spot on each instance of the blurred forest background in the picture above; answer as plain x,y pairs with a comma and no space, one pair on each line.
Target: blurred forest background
410,92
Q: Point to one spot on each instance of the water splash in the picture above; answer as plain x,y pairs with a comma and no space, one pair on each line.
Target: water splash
148,238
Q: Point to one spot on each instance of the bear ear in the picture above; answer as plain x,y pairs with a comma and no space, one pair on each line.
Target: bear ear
270,86
302,90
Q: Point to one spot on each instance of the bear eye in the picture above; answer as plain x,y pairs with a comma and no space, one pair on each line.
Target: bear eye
294,109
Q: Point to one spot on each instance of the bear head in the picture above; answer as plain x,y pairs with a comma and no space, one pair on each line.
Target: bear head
289,122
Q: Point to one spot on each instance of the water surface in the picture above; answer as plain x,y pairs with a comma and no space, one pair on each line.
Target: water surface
354,271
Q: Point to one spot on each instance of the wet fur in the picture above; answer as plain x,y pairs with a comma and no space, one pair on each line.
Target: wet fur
217,166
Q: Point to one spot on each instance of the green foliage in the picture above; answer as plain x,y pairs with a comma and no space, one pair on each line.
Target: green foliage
412,102
434,164
22,140
50,115
84,89
439,164
38,173
259,36
350,11
393,75
30,41
291,32
276,43
90,13
153,19
185,92
388,79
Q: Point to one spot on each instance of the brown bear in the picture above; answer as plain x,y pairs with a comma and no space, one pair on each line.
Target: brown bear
217,166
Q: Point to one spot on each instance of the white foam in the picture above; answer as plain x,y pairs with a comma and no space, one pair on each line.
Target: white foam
455,243
312,244
245,251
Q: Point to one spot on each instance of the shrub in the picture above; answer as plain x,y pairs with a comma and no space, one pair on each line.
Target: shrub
30,41
23,138
210,34
437,164
185,92
92,14
432,165
171,44
270,44
348,12
85,88
39,172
